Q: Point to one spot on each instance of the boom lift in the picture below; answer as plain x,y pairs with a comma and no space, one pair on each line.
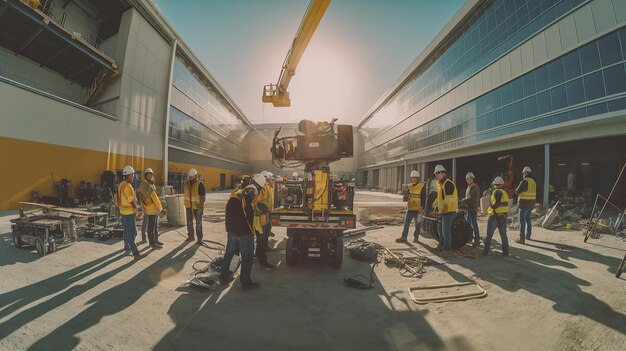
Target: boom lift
277,94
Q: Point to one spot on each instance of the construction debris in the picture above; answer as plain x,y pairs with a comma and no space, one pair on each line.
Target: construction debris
445,296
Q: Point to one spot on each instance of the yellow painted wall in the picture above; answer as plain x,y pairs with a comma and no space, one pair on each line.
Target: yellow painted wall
29,166
210,175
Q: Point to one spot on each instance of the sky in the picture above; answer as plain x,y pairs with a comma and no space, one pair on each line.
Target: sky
359,50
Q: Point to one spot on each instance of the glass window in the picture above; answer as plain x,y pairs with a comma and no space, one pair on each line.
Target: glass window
594,86
597,109
517,89
529,84
561,117
615,79
555,70
589,57
578,113
506,93
622,39
530,104
617,105
541,78
558,97
571,65
575,92
543,102
610,51
545,121
518,111
507,114
497,117
480,123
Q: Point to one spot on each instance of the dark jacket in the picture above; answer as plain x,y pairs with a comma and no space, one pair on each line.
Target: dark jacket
472,198
521,187
239,220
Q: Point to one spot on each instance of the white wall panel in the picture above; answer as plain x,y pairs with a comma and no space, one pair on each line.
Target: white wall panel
583,18
553,42
567,31
505,68
603,15
539,48
528,58
516,62
620,10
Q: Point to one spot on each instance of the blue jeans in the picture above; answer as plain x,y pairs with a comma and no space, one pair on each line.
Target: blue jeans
524,222
472,219
444,228
130,232
410,215
499,223
245,244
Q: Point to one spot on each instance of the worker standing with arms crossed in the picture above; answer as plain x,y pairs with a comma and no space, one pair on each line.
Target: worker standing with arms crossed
151,205
498,210
471,201
527,192
128,209
447,205
195,194
415,197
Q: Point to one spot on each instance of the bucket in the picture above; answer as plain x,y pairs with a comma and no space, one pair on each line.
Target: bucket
175,205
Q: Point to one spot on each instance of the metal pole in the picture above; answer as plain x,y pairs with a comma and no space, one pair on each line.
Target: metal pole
546,175
454,170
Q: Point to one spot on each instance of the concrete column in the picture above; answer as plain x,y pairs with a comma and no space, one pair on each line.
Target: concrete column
166,142
453,176
406,171
546,175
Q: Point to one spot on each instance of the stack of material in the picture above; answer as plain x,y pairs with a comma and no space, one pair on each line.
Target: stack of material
568,214
381,216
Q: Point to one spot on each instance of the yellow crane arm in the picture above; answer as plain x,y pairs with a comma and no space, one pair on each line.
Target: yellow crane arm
277,93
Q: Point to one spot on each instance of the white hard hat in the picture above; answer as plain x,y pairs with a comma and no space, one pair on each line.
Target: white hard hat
128,170
251,187
526,169
259,179
469,175
415,174
498,181
148,170
269,175
294,174
192,172
439,168
264,173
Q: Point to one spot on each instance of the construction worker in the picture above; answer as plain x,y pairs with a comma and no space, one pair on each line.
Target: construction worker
195,194
128,209
498,209
415,197
261,219
471,201
447,205
245,181
239,226
527,194
151,205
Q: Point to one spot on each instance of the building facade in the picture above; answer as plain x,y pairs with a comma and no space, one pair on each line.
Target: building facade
88,86
541,80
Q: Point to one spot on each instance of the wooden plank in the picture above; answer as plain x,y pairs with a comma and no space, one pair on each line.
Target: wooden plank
47,222
34,204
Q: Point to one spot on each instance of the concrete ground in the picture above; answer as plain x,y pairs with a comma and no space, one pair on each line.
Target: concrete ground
555,293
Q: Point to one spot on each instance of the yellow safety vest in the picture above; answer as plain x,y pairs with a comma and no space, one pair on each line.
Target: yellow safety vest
150,203
192,199
415,200
125,198
531,191
503,206
451,202
268,197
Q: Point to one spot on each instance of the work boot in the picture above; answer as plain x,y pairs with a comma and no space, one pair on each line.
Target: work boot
158,243
505,252
401,240
155,247
476,243
137,256
251,286
190,238
484,253
143,241
199,242
416,240
520,241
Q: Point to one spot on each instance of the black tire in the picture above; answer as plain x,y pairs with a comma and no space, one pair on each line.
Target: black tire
17,240
621,267
52,246
291,255
337,257
42,250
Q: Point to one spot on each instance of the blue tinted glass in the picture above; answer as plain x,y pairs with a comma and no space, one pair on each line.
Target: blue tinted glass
559,97
543,102
615,79
616,105
571,65
622,39
575,92
578,113
610,51
597,109
546,4
480,123
545,121
488,121
541,78
561,117
548,16
509,6
555,70
506,93
507,114
529,84
589,57
517,89
594,86
530,104
518,111
497,117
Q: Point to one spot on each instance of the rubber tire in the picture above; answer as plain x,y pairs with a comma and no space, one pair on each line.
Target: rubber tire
17,241
337,258
621,267
41,248
52,246
291,256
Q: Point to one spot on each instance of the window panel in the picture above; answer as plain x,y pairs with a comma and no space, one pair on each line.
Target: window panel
615,79
589,57
517,89
530,104
543,102
558,97
578,113
597,109
617,105
529,84
541,78
506,93
507,114
610,51
571,65
518,111
594,86
622,39
555,70
575,92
